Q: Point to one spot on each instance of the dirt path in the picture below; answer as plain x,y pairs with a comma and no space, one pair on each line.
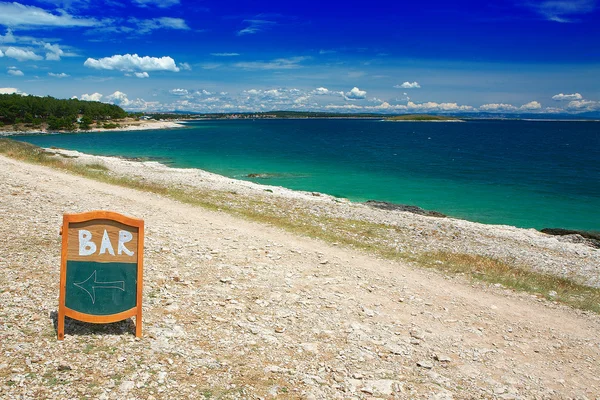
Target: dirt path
234,309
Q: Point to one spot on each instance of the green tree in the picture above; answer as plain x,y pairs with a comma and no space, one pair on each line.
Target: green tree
85,123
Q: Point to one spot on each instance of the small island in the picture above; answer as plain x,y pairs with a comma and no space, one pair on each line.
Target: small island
423,117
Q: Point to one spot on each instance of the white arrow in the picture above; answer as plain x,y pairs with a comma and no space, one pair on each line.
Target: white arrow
89,286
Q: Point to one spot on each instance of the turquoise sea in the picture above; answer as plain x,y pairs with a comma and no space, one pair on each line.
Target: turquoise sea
530,174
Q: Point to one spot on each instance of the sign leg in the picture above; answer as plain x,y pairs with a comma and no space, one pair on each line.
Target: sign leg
138,322
61,324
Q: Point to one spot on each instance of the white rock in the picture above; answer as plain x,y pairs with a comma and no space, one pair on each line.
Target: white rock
126,386
425,364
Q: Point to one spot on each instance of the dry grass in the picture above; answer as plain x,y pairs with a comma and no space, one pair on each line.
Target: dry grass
362,235
519,278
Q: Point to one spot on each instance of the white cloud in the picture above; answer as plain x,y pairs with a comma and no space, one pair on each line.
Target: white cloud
1,53
179,92
584,105
343,107
8,37
321,91
130,63
302,100
497,107
61,75
210,65
408,85
225,54
118,98
270,93
68,4
14,71
532,105
16,14
141,75
569,97
54,52
157,3
21,54
121,99
563,10
356,94
91,97
384,106
280,63
185,66
255,26
9,90
149,25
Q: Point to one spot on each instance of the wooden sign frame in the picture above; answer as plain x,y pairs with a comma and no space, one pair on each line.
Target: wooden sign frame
102,218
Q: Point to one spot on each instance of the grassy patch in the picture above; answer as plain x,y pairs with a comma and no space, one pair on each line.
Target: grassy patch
519,278
97,167
362,235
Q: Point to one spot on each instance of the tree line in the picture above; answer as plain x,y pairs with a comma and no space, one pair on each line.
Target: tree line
59,114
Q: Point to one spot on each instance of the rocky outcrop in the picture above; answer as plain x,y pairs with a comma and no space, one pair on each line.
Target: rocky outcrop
591,239
384,205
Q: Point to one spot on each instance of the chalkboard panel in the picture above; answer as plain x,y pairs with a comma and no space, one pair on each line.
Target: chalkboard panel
100,288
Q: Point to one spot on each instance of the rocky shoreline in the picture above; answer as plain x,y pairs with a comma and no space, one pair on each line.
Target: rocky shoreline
126,126
423,231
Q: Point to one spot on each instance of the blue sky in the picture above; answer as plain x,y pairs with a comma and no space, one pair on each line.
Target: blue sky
507,56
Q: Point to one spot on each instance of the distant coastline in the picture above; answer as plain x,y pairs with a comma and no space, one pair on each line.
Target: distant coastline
128,124
152,121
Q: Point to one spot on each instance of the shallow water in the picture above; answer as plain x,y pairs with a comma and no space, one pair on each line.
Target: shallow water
524,173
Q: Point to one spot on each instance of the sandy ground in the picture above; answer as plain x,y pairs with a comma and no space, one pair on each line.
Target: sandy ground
234,309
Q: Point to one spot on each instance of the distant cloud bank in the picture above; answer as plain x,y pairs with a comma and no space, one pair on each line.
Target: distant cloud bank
561,97
29,17
323,99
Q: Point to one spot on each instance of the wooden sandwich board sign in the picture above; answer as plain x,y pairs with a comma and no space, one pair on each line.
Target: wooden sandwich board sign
101,269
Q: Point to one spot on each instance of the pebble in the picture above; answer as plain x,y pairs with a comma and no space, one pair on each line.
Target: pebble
126,386
397,349
417,334
442,358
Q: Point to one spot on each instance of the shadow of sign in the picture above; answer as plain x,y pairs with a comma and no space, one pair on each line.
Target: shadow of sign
74,327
